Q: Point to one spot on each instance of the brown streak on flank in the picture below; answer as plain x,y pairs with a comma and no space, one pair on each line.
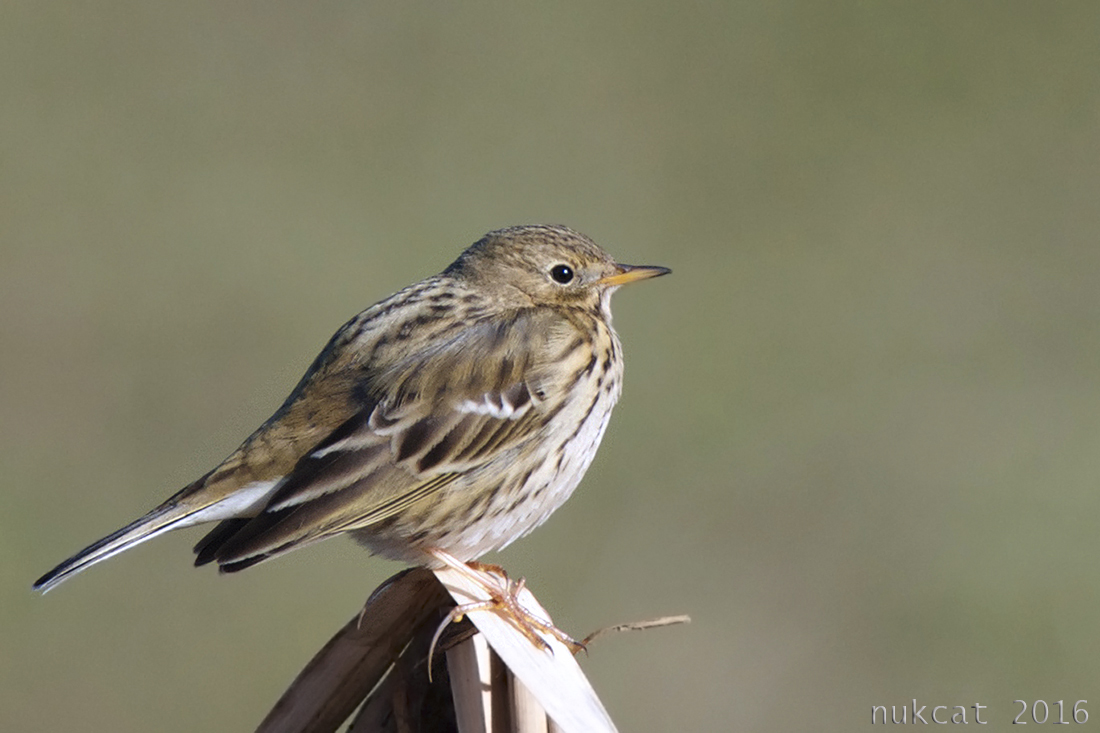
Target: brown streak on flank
491,495
521,497
584,420
575,377
590,366
417,537
605,365
480,503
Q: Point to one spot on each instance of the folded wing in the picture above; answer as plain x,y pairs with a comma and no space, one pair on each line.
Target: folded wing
433,417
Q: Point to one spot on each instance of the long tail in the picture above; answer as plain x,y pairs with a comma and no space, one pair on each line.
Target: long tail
194,504
158,521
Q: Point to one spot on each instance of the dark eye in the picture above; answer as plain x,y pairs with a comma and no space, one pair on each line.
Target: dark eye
562,274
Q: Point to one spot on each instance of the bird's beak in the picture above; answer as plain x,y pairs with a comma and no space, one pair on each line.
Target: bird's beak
632,273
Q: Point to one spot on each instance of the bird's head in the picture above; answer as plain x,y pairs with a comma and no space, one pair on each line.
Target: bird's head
549,265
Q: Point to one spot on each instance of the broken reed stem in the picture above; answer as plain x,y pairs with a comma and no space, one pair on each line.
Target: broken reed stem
637,626
380,657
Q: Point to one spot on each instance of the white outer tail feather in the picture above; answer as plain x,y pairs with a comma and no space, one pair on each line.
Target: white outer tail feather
249,499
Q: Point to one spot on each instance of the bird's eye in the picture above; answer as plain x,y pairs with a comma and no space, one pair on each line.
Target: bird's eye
562,274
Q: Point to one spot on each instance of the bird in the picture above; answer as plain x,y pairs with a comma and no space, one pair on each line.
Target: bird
437,425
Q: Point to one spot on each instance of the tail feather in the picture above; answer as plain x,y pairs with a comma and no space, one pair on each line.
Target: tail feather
156,522
195,504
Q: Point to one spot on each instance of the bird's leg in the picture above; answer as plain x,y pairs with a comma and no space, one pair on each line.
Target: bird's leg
486,567
504,601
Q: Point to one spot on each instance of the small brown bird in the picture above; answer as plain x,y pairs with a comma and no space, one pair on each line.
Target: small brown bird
437,425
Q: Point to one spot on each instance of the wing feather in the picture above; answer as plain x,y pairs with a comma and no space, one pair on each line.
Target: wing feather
432,417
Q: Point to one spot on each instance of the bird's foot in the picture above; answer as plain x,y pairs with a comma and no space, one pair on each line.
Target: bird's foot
503,600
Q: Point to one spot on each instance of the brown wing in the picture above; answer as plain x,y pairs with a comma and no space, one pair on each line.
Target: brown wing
426,420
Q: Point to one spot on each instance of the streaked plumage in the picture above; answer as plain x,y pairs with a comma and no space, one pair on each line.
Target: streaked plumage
455,415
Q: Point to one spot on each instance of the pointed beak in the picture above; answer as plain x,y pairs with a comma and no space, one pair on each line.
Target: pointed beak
632,273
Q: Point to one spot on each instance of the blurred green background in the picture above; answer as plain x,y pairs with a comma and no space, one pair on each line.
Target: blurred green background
859,436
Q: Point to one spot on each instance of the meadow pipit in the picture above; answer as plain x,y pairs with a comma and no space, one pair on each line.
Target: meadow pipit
437,425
